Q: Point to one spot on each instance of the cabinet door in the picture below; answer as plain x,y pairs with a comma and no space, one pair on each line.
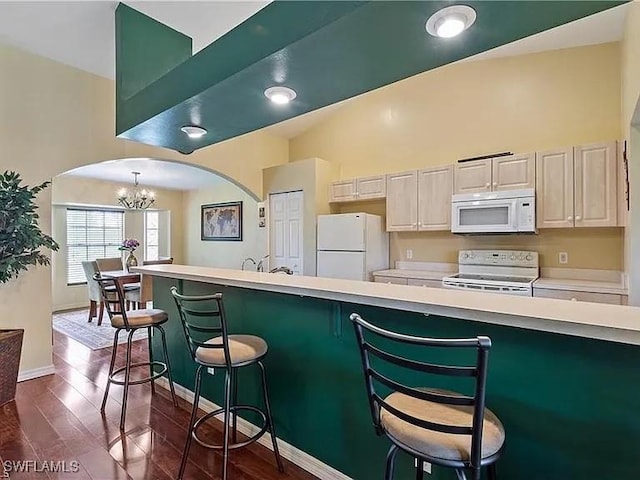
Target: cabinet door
343,191
473,176
554,188
514,172
371,187
596,185
402,202
435,186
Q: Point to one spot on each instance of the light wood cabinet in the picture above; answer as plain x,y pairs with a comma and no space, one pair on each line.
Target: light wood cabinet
577,296
577,187
343,191
402,201
435,186
474,176
513,172
371,187
363,188
554,188
416,282
392,280
595,185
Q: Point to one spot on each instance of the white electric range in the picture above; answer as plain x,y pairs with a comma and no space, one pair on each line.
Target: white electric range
510,272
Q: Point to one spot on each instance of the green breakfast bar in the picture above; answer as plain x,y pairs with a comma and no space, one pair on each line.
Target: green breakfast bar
563,377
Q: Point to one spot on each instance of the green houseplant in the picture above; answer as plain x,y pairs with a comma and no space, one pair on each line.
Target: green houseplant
20,242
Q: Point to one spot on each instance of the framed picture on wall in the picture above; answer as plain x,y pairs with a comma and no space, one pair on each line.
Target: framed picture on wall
221,222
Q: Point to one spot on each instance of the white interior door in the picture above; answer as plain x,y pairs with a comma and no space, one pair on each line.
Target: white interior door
286,230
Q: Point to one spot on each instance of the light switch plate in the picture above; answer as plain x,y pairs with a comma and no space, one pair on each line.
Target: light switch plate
563,258
409,254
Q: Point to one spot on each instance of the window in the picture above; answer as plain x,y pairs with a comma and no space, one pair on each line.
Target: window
151,235
91,234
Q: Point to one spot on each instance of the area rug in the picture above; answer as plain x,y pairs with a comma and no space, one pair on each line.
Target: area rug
74,324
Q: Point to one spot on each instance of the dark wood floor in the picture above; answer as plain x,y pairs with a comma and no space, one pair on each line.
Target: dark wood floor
57,418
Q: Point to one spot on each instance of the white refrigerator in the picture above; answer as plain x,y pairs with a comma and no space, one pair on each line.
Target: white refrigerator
351,246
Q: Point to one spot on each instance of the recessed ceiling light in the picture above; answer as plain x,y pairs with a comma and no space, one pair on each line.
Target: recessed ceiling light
451,21
194,132
280,95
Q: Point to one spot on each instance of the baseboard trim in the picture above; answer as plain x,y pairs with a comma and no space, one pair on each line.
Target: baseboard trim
288,451
24,375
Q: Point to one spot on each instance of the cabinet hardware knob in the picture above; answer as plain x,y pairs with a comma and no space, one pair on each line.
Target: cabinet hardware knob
495,184
578,218
487,184
569,218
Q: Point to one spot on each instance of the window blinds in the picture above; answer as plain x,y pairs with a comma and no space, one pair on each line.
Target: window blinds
91,234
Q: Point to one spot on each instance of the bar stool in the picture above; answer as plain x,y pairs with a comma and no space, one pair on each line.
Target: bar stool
433,425
130,321
228,352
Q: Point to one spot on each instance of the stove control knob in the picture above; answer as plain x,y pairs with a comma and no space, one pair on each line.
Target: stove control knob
513,257
465,256
529,257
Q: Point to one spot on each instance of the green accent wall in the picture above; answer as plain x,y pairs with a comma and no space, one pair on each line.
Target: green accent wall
325,50
145,50
570,406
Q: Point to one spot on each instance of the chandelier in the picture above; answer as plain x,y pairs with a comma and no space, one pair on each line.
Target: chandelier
136,199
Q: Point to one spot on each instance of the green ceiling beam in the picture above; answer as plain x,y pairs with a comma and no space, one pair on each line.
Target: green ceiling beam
326,51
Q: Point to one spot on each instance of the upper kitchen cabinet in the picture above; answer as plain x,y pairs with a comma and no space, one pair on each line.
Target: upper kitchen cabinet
371,187
577,187
435,187
402,201
473,176
364,188
343,191
596,185
510,172
554,188
513,172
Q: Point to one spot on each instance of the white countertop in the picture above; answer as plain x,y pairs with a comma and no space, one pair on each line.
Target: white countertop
579,285
419,274
592,320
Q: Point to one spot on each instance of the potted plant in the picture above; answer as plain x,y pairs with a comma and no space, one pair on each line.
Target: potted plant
20,242
130,245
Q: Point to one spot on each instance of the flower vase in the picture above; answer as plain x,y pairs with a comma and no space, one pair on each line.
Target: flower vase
131,261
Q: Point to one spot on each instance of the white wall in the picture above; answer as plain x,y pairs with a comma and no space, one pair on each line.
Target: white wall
222,254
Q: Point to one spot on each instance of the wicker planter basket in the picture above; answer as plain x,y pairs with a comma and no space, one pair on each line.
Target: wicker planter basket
10,348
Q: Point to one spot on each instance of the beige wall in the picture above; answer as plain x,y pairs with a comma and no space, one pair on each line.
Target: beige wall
222,254
55,118
521,104
526,103
70,190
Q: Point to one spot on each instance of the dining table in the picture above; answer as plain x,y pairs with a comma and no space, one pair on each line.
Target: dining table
122,277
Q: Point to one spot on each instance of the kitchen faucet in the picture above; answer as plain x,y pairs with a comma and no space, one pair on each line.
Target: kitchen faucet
247,260
260,267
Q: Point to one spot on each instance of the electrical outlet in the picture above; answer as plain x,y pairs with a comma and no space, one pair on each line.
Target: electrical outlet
426,466
563,258
409,254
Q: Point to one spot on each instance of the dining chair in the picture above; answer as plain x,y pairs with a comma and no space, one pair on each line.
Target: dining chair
433,425
93,289
109,264
144,294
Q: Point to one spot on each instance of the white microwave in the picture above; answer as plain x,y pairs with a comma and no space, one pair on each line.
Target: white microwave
511,211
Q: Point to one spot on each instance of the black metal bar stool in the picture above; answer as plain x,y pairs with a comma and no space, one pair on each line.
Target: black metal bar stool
228,352
130,321
433,425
